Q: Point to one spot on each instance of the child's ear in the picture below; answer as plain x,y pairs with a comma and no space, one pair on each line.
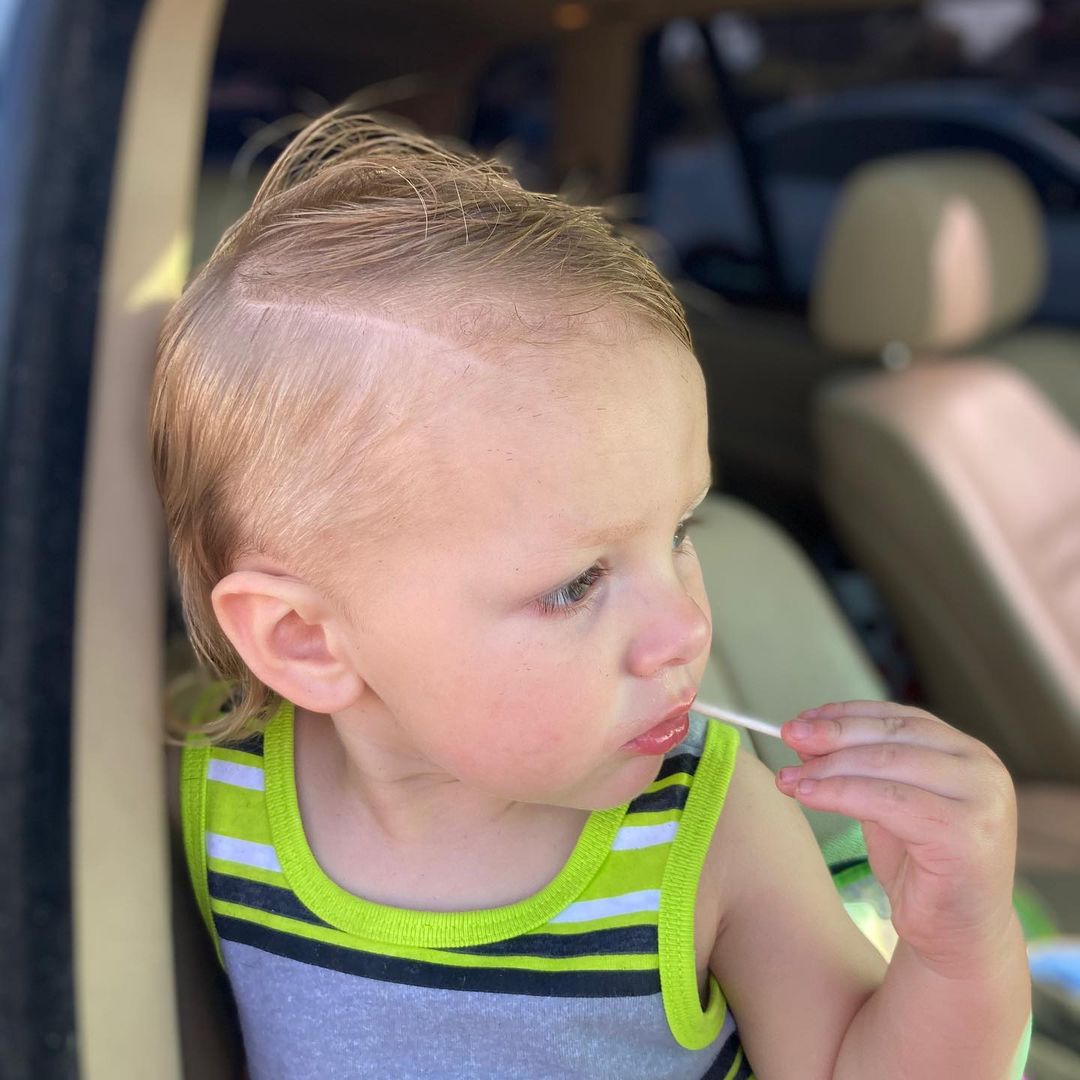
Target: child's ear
288,635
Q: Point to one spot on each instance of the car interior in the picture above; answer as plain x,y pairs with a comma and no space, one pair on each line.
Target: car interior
905,434
956,477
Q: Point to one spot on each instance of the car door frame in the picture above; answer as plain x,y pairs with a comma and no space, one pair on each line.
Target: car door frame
104,107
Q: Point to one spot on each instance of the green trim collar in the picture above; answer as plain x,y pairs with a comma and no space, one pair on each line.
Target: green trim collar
401,926
693,1027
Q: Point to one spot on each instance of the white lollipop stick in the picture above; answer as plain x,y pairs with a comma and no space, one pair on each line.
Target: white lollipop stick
730,717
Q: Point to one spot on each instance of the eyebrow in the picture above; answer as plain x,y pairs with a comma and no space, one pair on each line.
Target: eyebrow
612,534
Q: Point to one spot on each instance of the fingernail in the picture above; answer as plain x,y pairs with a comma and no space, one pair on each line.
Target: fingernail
810,712
800,729
788,774
806,786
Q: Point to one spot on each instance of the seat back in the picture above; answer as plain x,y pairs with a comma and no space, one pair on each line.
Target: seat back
934,251
780,644
956,484
965,263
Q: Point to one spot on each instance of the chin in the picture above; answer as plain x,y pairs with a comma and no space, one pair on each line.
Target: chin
620,783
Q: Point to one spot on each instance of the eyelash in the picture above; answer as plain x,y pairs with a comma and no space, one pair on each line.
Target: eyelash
574,596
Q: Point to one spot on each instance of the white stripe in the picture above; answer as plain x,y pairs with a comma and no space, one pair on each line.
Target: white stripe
229,772
247,852
639,836
585,910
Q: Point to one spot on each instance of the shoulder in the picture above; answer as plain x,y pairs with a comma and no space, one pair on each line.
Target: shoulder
793,966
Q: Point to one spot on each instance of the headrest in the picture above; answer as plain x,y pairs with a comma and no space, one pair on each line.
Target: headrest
933,250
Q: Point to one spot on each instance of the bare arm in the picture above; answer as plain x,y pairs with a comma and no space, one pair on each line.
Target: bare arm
987,1011
811,997
794,967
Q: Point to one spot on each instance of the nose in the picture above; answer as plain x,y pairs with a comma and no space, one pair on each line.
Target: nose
674,631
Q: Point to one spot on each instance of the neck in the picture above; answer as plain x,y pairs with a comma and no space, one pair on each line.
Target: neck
412,802
391,827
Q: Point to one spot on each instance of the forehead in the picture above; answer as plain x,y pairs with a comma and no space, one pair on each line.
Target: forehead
597,431
590,376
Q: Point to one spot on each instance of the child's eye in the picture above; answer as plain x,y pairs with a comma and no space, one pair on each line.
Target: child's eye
679,539
572,596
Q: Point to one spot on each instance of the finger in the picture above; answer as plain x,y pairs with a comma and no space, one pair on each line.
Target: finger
909,813
864,707
940,773
833,727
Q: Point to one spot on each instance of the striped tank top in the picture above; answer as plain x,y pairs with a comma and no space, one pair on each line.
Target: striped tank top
593,976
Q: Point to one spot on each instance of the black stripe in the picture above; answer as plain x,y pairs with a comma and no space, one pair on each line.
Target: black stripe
584,984
254,894
847,864
253,744
745,1071
679,763
669,798
622,940
725,1059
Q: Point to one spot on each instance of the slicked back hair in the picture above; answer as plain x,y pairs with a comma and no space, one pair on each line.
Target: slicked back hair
280,387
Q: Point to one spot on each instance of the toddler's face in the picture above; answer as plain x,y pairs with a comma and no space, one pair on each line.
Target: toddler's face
545,607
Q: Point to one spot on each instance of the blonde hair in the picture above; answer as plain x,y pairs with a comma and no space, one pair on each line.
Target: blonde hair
282,336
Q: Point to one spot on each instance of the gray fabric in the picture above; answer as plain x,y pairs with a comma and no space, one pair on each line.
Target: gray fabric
317,1024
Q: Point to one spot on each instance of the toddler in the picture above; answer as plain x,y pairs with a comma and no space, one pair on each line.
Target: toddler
428,446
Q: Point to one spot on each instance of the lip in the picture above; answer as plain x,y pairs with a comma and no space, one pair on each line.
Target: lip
666,733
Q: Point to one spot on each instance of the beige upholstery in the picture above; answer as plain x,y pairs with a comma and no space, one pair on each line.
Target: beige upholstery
936,251
779,642
939,254
929,256
126,998
958,487
957,483
1050,358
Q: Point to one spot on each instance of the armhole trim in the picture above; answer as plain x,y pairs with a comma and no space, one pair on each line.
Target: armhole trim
193,767
693,1027
1022,1051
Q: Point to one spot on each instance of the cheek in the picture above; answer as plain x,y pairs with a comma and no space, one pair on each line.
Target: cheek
540,708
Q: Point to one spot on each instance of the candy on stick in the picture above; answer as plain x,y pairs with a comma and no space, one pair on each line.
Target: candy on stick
730,717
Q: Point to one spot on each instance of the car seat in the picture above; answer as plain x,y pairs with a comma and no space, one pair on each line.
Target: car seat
955,483
764,365
942,254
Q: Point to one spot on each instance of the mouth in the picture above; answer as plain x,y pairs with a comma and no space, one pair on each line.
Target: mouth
666,733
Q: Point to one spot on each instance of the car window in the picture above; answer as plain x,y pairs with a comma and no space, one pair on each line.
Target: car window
808,97
686,164
513,118
830,148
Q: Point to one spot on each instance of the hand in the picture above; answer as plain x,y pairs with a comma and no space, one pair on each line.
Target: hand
938,812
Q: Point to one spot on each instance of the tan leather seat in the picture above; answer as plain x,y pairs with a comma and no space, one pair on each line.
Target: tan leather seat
956,483
780,643
763,365
943,254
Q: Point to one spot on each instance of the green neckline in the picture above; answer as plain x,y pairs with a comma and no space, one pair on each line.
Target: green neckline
694,1027
403,926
